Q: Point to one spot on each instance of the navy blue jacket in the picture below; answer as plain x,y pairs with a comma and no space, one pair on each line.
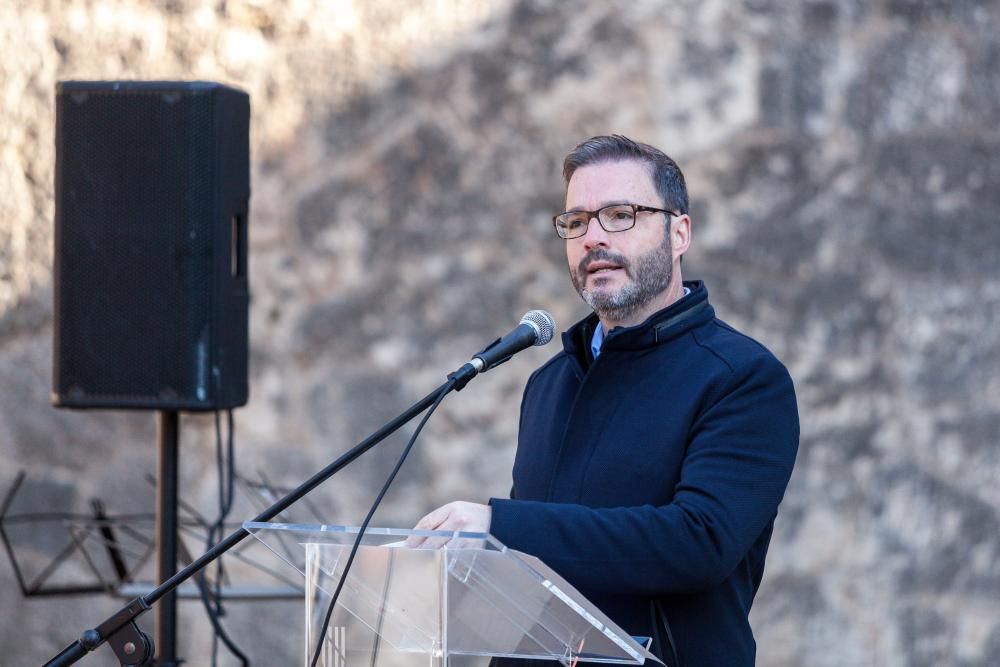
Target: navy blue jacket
655,472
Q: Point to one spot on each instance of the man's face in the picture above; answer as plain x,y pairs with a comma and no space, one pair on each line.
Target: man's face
621,275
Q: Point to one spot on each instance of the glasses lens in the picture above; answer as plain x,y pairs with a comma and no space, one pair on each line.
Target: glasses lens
617,218
570,225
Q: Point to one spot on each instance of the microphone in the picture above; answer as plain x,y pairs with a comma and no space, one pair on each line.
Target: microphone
536,328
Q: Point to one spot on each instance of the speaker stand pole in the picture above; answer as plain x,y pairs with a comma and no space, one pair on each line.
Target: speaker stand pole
167,445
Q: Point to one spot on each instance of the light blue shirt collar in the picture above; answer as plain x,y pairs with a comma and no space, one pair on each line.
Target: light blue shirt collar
598,339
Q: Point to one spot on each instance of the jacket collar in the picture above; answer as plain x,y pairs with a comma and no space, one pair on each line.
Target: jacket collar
682,315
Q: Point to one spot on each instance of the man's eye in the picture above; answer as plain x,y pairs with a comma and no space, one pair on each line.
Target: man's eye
622,214
575,223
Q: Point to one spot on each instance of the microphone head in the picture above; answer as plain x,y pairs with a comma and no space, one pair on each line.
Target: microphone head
543,324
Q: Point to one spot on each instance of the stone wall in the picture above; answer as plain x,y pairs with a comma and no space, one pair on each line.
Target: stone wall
841,157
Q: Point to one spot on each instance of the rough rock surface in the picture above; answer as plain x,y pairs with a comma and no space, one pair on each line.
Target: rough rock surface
841,157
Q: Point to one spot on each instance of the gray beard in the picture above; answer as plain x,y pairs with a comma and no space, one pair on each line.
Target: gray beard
650,277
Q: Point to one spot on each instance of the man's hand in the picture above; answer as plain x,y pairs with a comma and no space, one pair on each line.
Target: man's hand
460,515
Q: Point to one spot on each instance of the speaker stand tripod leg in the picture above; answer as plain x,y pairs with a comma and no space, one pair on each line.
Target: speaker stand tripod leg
167,445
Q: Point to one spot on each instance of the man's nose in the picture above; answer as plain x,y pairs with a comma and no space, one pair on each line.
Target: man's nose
595,236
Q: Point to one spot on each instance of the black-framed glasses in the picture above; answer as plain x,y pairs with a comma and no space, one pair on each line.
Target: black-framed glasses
613,218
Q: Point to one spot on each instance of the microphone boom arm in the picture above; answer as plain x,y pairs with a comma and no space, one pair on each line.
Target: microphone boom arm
131,645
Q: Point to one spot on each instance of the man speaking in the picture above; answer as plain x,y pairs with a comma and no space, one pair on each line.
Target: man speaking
654,449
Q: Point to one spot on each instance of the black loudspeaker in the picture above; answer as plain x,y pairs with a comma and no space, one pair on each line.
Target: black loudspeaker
152,184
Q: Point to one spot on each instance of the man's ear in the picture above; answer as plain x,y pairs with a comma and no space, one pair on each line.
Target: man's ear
680,235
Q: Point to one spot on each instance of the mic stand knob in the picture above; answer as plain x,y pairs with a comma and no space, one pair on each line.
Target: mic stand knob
133,647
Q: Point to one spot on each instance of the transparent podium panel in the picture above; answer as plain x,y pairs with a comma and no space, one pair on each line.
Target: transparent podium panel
457,602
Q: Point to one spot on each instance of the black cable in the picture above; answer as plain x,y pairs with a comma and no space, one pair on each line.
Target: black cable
226,466
212,531
225,505
377,639
371,512
217,629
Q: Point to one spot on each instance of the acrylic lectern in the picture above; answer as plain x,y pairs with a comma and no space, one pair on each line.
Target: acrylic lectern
457,602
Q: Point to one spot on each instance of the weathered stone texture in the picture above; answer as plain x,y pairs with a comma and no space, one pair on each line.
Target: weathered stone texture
841,157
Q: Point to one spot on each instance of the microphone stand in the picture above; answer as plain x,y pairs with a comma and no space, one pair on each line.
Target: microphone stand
133,647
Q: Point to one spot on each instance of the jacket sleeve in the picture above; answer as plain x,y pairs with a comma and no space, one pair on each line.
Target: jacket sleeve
738,462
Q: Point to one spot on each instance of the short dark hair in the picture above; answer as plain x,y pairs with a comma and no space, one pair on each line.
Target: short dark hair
667,176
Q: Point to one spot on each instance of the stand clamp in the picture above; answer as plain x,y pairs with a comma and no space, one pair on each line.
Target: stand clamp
132,646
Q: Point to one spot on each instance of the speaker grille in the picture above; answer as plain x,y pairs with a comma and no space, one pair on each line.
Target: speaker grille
142,246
